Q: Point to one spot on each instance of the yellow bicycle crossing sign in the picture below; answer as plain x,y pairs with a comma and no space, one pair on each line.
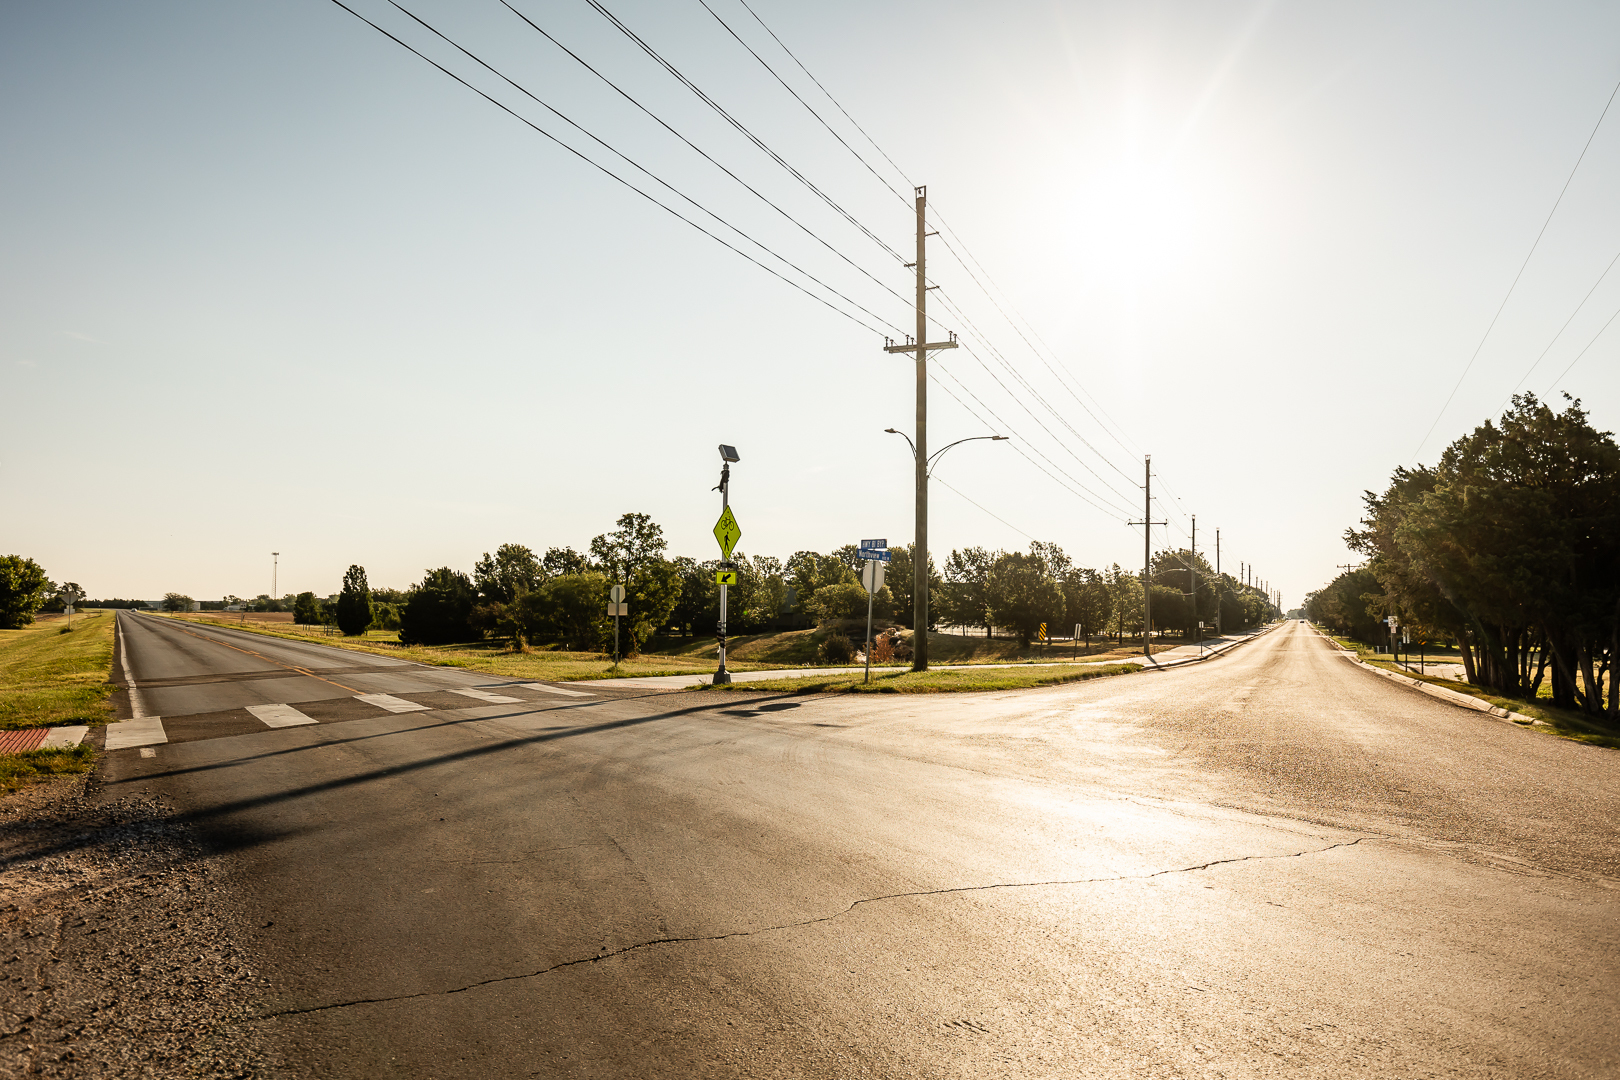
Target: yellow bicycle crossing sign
727,531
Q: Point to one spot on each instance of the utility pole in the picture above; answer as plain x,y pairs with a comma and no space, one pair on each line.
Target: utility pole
275,565
922,347
1192,575
1147,524
1220,584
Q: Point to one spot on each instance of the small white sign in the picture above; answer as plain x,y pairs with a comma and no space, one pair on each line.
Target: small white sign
616,594
618,609
872,576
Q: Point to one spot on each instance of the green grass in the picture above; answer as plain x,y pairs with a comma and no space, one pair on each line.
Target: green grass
50,675
32,766
905,681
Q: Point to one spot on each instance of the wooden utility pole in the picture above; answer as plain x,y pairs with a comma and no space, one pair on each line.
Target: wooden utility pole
922,347
1147,524
1220,585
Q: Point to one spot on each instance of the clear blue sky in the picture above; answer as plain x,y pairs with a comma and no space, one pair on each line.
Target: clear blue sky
272,283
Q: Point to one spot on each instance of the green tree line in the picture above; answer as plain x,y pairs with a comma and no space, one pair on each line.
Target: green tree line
1509,545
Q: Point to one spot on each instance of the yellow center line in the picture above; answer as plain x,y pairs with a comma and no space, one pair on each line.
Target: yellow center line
266,659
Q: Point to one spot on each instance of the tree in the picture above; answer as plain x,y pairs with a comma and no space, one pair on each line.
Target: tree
438,610
354,610
1124,601
902,580
307,609
652,593
558,561
1086,602
176,602
22,591
509,573
848,601
963,601
1022,595
697,611
636,540
572,607
810,571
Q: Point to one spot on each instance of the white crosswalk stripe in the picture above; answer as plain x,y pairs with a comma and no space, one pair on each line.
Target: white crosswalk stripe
554,689
390,702
146,731
280,715
485,695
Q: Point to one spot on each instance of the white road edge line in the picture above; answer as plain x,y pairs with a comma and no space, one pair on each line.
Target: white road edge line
143,731
391,703
137,708
554,689
279,716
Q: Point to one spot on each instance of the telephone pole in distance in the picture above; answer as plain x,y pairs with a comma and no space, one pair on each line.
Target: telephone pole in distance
1147,524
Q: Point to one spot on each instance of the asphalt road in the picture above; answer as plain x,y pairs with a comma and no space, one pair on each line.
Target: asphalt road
1274,863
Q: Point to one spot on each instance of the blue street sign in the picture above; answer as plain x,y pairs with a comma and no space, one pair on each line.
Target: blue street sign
873,544
874,554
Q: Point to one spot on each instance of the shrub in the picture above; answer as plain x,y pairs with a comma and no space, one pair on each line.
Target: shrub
437,611
22,591
836,648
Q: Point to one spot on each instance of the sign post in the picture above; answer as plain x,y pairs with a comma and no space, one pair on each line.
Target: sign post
726,532
616,608
872,581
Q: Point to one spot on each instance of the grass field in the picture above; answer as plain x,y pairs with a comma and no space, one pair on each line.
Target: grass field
32,766
50,675
890,681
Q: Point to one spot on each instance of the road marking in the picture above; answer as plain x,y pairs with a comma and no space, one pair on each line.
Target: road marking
554,689
485,695
144,731
137,708
390,702
280,715
64,736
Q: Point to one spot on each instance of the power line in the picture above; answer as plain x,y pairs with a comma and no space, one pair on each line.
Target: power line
998,517
741,127
616,177
1084,493
632,162
706,156
1561,329
1589,344
1520,274
897,194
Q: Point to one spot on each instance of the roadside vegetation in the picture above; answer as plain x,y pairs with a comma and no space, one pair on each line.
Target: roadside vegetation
51,674
32,766
1507,549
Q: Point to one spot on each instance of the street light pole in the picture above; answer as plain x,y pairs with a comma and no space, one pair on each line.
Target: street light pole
275,565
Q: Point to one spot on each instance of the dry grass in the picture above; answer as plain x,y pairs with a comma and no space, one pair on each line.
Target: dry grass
904,681
32,766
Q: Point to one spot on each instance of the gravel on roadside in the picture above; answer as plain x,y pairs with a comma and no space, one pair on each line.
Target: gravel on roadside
117,958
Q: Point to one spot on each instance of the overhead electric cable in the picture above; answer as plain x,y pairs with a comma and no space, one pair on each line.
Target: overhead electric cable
606,171
808,108
637,165
998,517
740,126
1520,274
830,98
705,155
1554,384
1561,329
1084,493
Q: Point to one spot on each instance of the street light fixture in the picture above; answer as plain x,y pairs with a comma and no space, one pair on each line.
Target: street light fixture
919,561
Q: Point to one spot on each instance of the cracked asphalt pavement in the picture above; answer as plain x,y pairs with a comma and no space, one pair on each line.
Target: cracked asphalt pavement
1274,863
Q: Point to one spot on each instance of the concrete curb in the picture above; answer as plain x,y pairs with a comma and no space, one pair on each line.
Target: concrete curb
1453,697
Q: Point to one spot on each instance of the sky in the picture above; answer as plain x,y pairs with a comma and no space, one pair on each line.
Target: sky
270,282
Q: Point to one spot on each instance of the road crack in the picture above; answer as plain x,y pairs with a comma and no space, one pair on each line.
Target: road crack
609,954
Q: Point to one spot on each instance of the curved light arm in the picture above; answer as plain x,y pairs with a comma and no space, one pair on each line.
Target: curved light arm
934,457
